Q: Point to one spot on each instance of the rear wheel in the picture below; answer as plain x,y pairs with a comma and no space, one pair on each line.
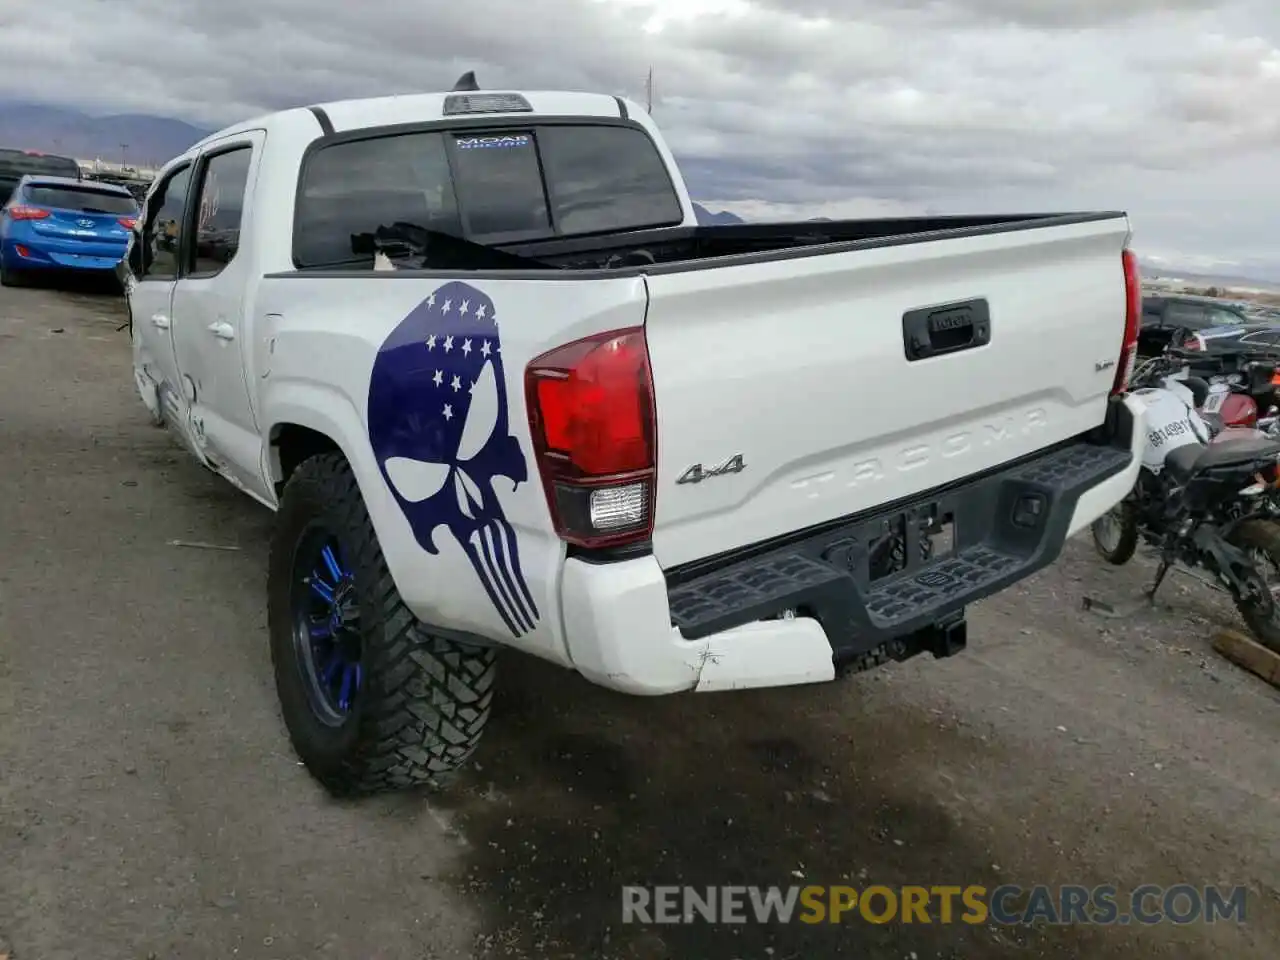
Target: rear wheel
1115,533
11,278
372,700
1261,540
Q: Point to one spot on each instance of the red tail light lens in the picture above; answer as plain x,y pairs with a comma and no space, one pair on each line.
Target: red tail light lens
591,415
127,222
1239,411
1132,321
23,212
1192,344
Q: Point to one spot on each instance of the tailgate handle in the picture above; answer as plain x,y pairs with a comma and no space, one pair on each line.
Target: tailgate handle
946,328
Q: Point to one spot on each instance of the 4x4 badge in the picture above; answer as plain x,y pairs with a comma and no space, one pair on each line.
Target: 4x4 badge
697,473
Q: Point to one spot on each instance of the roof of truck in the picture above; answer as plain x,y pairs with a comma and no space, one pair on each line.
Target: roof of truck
425,107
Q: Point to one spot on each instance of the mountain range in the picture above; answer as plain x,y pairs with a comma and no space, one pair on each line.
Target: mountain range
134,138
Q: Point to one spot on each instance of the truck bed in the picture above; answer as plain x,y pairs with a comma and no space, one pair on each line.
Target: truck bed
683,248
676,248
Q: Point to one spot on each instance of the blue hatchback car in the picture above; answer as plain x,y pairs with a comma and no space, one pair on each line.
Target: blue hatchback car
64,225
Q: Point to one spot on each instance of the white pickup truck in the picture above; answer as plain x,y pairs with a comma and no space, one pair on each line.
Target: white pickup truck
502,390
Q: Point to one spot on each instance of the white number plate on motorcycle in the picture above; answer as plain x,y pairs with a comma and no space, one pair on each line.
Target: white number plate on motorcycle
1213,403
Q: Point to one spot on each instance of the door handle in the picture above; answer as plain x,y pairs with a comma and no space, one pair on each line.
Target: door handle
160,321
222,330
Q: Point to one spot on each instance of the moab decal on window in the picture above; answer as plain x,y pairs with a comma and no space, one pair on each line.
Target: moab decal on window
481,143
438,424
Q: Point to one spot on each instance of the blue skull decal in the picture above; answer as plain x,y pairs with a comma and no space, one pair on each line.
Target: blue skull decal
439,429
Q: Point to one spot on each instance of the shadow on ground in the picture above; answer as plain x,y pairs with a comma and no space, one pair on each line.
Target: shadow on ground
578,792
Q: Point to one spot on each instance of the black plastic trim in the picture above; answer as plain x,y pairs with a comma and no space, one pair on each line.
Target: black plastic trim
599,555
322,117
622,108
945,328
825,572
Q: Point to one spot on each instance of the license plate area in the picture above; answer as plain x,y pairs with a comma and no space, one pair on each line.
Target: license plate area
898,544
911,539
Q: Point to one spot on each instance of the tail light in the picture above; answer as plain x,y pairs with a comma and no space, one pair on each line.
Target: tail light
127,222
1132,321
23,212
1192,344
1238,411
591,415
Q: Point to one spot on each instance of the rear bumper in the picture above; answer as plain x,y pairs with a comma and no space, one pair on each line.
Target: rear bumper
632,627
39,256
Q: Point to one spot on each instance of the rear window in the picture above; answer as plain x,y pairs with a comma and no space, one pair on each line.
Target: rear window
489,186
82,200
15,164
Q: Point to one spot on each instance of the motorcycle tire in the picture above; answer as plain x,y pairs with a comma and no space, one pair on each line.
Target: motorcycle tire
1115,534
1261,539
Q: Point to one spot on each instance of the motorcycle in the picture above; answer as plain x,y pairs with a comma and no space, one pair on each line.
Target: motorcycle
1204,503
1236,400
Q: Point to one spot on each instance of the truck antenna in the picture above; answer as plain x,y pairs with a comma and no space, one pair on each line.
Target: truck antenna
466,83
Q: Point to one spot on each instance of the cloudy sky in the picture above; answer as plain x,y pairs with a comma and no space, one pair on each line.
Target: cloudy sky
1169,109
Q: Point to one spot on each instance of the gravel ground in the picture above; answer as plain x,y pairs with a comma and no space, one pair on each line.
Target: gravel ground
150,805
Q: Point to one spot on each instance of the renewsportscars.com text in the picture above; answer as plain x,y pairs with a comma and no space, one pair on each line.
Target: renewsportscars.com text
1007,904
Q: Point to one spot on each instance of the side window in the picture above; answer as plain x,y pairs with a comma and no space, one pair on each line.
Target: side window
222,188
162,230
1225,318
350,189
1184,315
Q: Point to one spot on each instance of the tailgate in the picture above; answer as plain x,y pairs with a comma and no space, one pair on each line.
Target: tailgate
795,391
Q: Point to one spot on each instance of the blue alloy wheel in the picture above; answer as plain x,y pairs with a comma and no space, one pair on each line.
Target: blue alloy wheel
326,619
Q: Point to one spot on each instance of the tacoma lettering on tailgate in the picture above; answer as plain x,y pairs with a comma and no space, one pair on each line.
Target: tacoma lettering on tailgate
917,455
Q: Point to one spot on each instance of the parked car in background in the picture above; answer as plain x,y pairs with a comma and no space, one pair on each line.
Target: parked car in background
1254,339
16,164
60,224
1262,313
1173,319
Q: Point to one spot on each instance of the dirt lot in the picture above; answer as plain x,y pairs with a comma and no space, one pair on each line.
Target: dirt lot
150,805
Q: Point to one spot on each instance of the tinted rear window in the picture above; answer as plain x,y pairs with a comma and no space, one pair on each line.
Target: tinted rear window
489,186
499,181
82,200
15,163
606,178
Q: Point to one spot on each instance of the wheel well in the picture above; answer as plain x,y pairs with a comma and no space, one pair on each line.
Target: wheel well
291,445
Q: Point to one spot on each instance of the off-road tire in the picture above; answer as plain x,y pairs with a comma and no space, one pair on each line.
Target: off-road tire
424,701
1263,536
1127,543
